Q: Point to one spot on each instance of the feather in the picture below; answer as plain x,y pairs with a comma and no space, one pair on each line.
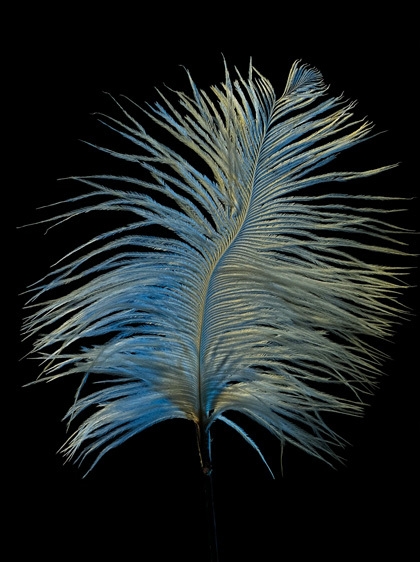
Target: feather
236,286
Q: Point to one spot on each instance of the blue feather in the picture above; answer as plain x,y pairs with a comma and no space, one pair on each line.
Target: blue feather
251,297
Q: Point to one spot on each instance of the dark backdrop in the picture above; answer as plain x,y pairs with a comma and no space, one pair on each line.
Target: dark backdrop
145,500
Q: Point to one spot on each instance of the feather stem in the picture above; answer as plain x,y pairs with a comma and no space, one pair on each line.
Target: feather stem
204,450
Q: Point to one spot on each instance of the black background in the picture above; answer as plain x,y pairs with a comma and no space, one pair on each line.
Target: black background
145,500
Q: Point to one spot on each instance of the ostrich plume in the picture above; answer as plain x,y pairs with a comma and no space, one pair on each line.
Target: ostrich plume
236,286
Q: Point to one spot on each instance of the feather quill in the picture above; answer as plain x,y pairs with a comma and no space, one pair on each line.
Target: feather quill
253,296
